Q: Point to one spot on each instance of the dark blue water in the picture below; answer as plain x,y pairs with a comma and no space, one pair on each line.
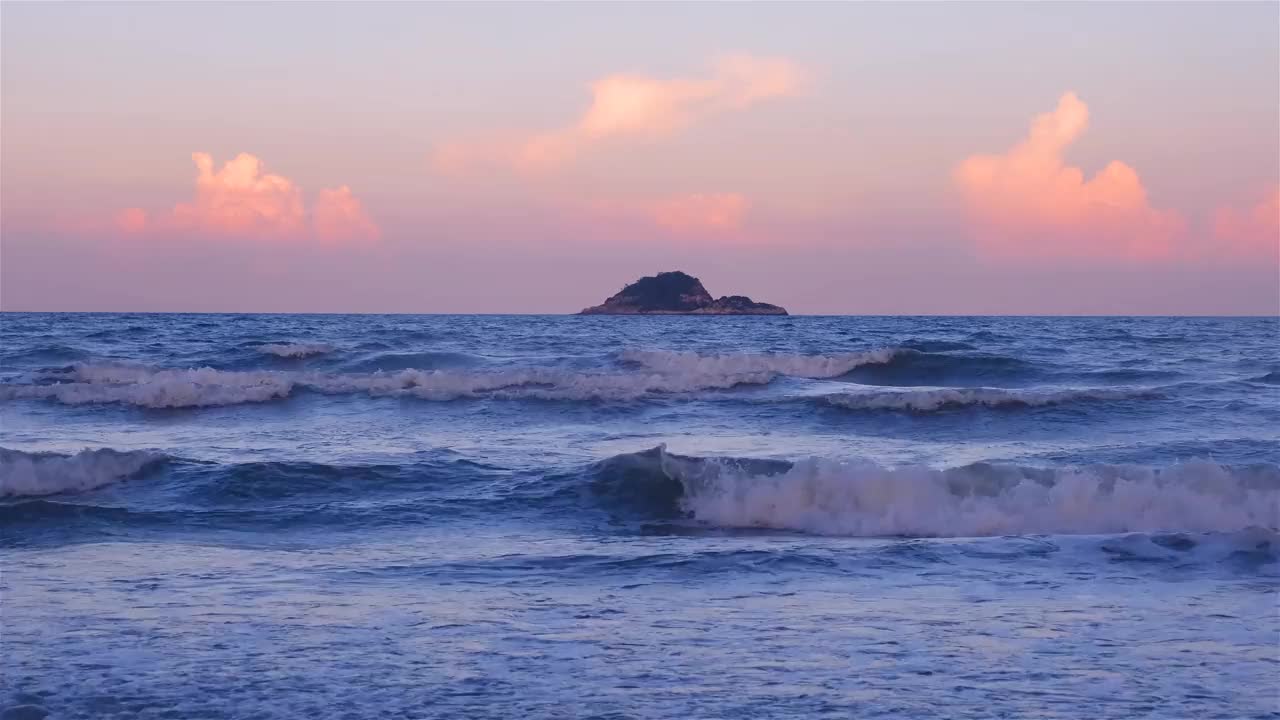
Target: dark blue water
269,516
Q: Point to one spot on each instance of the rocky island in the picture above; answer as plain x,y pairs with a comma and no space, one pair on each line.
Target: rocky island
677,293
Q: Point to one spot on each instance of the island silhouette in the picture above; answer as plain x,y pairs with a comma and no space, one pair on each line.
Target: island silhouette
677,293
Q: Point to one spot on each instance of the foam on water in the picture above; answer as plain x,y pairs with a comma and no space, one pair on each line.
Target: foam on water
863,498
150,388
202,387
295,350
806,366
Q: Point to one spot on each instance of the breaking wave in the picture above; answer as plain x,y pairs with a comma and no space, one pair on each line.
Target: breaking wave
900,366
24,474
806,366
653,372
91,384
916,378
145,387
934,399
862,498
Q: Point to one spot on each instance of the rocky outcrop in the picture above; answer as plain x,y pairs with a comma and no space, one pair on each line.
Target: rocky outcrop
677,293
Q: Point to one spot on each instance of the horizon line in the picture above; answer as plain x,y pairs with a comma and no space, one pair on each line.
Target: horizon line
630,315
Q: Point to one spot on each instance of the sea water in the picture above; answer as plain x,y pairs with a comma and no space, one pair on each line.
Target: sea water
282,516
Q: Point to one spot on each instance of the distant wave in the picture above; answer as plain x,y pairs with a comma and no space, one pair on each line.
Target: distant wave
900,365
295,350
926,345
938,380
896,365
806,366
861,498
43,353
391,361
151,388
29,474
1124,375
909,367
657,373
934,399
144,387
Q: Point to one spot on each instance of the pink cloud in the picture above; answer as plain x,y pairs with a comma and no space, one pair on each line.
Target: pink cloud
339,216
632,105
700,213
1027,203
687,218
1251,233
132,220
242,201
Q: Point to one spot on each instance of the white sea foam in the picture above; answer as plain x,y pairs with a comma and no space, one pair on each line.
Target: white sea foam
806,366
534,383
31,474
662,373
860,498
931,399
145,387
295,350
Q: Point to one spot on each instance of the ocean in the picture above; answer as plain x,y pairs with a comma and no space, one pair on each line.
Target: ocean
399,516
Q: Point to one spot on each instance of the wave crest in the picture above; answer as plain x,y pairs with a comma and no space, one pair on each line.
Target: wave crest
295,350
806,366
130,385
24,474
145,387
862,498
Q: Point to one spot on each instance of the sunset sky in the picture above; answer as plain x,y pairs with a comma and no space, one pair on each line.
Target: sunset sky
997,158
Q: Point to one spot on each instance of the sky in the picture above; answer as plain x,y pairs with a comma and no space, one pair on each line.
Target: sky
833,158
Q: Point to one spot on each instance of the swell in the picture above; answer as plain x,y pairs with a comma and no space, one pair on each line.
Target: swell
392,361
897,365
1245,548
914,368
42,353
940,399
195,483
25,474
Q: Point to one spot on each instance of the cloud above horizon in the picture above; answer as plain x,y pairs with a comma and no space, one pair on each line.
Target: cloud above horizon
1027,203
714,214
1251,233
683,217
243,201
630,105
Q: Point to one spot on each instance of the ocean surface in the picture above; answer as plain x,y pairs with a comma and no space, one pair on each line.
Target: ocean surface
284,516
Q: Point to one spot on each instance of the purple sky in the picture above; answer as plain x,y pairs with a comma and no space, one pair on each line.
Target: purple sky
1078,158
